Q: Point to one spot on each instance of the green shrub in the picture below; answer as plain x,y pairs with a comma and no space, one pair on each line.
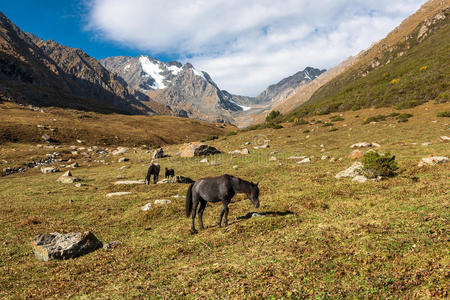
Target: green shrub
232,133
327,124
273,115
393,115
444,114
333,129
298,121
403,117
306,131
211,137
273,126
336,119
375,164
376,118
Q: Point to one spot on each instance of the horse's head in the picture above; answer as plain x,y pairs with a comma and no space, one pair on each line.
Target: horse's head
253,195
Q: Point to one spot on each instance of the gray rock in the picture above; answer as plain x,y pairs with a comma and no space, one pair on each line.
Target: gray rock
162,201
123,159
147,207
352,171
129,182
118,194
304,161
48,170
56,245
359,178
182,179
67,178
433,160
112,245
197,149
365,145
120,151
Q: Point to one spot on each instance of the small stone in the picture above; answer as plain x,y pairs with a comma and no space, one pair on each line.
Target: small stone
48,170
205,160
117,194
426,144
129,182
359,178
444,139
304,161
356,154
162,201
123,159
272,158
325,157
67,178
112,245
352,171
235,167
433,160
147,207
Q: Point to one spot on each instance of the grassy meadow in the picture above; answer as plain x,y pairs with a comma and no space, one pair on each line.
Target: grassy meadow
319,237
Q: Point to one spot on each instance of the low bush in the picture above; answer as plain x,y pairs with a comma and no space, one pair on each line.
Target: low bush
273,126
444,114
274,114
403,117
375,164
333,129
232,133
306,131
376,118
336,119
298,121
211,137
327,124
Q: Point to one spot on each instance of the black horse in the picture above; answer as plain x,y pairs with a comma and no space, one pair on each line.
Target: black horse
215,189
152,170
170,173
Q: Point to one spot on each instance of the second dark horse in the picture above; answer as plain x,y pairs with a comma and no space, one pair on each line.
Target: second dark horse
152,170
217,189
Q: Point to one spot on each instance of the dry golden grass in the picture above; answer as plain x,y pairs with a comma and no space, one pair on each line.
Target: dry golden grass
321,238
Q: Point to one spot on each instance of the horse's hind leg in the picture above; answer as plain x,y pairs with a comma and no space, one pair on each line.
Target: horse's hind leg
226,214
195,201
200,213
224,207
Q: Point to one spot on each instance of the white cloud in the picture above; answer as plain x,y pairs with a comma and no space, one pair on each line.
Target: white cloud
246,45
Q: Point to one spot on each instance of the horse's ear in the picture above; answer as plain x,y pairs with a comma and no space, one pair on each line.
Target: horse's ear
257,183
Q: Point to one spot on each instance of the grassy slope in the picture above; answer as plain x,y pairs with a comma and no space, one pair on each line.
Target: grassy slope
350,90
341,239
20,125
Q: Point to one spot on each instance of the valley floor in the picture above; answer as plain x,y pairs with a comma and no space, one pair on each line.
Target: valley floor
319,237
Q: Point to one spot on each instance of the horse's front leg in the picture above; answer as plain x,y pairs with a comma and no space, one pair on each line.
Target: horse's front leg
200,213
155,179
226,214
219,223
194,211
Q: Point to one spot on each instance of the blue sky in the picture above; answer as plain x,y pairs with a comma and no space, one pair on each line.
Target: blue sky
64,21
245,45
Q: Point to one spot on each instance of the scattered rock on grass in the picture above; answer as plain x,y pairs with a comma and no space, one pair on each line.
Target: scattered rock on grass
129,182
433,160
120,151
162,201
112,245
56,245
118,194
365,145
304,161
147,207
444,139
352,171
48,170
123,159
356,154
67,178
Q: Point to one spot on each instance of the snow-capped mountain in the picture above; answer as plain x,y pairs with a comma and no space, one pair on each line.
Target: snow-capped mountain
188,91
286,87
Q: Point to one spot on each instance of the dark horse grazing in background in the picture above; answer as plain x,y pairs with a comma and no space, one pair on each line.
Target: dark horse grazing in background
217,189
152,170
170,173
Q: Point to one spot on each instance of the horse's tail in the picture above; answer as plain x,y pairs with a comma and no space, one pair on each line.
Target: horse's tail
189,201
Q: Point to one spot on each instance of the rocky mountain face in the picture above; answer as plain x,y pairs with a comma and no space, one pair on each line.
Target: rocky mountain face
188,92
276,93
46,73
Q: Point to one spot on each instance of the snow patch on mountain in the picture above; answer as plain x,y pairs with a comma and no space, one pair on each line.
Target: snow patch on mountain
153,70
175,70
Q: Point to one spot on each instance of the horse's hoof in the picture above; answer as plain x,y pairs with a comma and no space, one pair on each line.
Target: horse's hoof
193,231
